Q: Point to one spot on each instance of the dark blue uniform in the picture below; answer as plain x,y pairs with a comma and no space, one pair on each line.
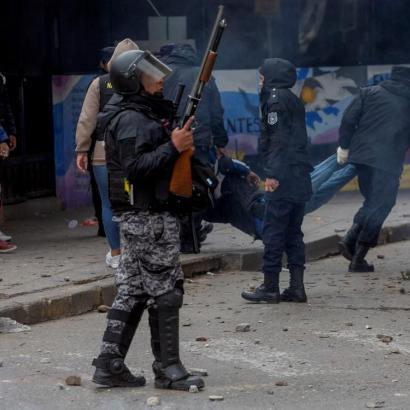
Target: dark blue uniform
376,130
283,148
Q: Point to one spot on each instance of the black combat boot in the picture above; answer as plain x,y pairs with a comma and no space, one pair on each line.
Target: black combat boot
296,290
359,263
267,292
111,371
164,323
110,368
347,245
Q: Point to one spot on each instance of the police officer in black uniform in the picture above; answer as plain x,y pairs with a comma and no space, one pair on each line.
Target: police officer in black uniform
374,137
283,147
141,152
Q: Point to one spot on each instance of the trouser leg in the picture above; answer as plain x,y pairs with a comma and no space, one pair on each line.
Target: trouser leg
295,251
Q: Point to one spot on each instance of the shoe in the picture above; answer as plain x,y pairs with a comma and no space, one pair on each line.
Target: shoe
297,295
359,263
262,294
175,377
205,230
4,237
347,245
296,290
6,247
112,372
112,261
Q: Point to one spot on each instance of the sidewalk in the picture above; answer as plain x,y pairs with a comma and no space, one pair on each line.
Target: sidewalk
53,259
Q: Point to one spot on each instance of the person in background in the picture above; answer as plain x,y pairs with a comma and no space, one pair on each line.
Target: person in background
283,146
5,246
209,130
374,137
9,131
90,142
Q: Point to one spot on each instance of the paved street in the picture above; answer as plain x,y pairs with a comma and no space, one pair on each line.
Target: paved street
330,353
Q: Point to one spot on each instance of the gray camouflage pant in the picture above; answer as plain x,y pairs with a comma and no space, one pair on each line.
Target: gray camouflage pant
149,267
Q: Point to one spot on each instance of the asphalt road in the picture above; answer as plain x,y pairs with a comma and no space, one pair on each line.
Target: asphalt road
328,353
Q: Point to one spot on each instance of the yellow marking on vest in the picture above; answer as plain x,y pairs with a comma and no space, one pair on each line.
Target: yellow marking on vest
109,85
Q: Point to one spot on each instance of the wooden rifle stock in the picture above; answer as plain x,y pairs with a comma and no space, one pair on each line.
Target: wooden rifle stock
181,180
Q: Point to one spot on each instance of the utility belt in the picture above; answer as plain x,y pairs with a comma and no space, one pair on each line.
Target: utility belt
124,194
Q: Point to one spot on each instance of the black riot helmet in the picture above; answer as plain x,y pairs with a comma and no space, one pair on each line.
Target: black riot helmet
127,68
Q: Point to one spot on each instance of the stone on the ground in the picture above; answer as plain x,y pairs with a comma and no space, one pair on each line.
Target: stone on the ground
193,389
216,398
349,324
198,372
281,383
45,360
61,386
103,308
8,325
73,381
243,327
201,339
385,338
153,401
375,404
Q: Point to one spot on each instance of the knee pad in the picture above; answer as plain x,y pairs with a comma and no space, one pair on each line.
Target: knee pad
172,299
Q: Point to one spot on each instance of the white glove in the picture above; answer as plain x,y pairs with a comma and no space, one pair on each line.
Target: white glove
342,156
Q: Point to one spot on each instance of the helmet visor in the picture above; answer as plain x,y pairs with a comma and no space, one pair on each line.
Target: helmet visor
148,64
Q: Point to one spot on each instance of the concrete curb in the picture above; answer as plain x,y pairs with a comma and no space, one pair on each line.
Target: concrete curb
75,300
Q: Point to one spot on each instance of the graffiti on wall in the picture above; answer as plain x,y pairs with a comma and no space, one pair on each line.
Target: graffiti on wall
325,91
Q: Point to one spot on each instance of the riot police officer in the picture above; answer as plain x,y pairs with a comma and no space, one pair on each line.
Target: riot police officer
283,147
141,153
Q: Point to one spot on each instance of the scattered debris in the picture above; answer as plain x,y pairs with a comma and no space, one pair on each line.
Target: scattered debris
201,339
46,275
216,398
45,360
349,324
72,224
339,230
210,274
281,383
153,401
405,274
402,291
243,327
61,386
257,342
385,338
103,308
375,405
198,372
368,327
187,324
1,363
271,392
8,325
66,279
380,256
285,329
73,381
193,389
